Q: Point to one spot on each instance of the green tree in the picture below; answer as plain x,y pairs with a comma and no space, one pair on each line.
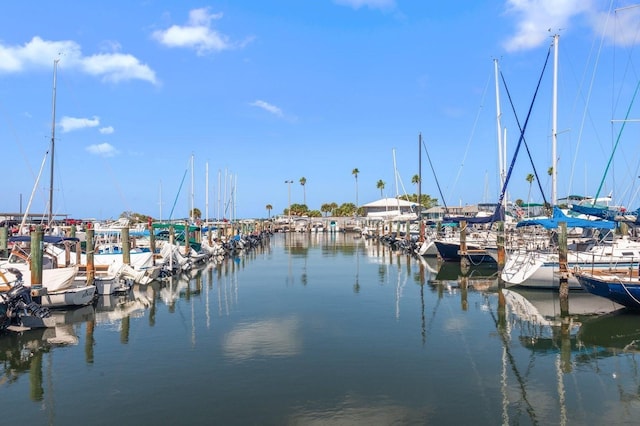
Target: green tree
355,172
426,200
269,207
303,182
195,213
334,209
326,208
298,209
345,209
530,178
380,186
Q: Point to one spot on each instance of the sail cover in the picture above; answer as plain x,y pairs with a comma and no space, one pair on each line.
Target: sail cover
572,222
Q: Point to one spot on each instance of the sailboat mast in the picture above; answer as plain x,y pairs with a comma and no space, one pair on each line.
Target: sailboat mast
419,175
421,231
206,193
502,154
191,212
395,174
53,137
554,123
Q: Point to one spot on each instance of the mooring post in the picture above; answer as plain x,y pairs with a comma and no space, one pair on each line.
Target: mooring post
67,253
152,242
91,268
463,238
126,246
36,254
500,243
4,241
79,252
186,239
564,271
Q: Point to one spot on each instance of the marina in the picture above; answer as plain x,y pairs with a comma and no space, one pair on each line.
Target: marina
327,328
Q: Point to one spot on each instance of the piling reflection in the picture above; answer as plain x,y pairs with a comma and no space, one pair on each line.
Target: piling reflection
22,352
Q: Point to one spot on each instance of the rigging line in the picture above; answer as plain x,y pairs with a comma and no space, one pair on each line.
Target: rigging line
526,122
526,146
585,113
178,194
473,131
615,147
26,212
444,202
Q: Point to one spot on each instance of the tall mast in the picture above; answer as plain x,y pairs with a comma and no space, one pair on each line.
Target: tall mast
53,138
421,232
191,213
502,154
554,123
206,193
420,175
160,200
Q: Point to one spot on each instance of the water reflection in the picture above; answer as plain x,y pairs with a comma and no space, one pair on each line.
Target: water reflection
372,336
23,351
277,337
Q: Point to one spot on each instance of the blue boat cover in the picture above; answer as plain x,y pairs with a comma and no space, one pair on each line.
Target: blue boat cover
572,222
46,238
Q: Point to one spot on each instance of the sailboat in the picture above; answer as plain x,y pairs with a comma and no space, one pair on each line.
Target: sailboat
59,283
480,242
540,268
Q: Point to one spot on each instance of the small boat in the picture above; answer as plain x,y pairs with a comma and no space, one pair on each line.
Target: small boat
619,285
16,304
77,295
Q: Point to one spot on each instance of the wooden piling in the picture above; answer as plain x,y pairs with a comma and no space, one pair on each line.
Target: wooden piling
187,248
79,251
4,241
36,254
500,244
152,242
463,237
67,254
126,246
564,271
91,269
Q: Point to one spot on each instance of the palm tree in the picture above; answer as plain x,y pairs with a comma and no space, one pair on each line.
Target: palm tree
380,186
355,172
195,213
530,179
303,182
269,207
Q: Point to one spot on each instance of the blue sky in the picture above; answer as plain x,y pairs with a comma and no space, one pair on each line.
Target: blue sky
261,92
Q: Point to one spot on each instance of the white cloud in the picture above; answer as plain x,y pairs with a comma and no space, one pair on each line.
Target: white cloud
39,53
538,20
197,34
103,150
372,4
106,130
620,28
267,107
69,124
118,67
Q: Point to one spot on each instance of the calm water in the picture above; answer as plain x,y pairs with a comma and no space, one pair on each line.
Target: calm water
325,329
